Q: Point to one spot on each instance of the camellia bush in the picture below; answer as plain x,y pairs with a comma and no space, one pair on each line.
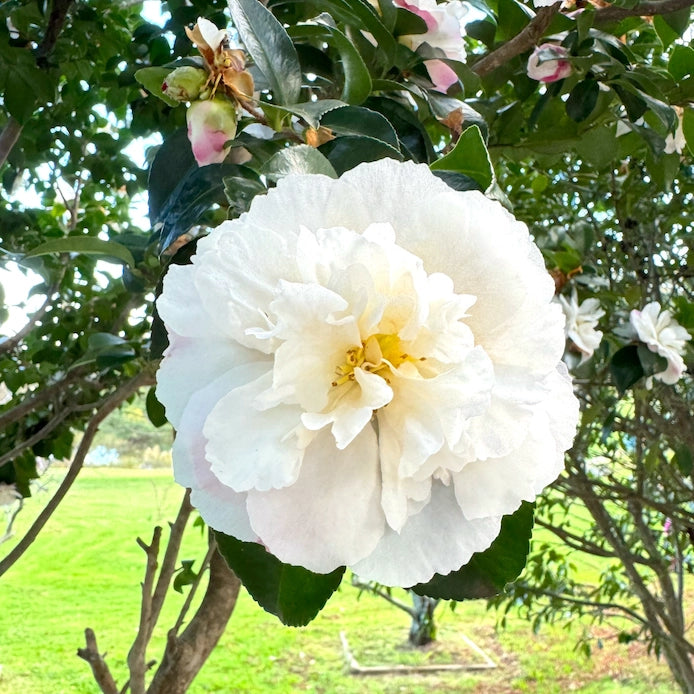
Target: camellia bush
415,276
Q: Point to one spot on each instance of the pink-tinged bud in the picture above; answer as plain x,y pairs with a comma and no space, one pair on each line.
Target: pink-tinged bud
548,63
184,83
211,124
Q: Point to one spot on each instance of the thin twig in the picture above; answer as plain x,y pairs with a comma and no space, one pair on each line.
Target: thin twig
648,8
109,405
195,585
168,565
138,651
8,138
100,669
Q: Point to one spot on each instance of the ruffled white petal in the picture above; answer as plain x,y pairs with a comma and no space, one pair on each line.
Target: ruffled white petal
439,539
331,515
250,448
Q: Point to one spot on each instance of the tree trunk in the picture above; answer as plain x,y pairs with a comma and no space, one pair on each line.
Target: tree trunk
184,655
423,627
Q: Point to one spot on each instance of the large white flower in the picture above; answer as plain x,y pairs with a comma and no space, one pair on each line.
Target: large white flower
366,372
581,320
662,335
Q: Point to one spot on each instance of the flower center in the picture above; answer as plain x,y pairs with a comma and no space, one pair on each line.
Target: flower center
377,354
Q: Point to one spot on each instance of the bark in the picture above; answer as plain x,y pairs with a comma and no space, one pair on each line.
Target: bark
184,655
423,627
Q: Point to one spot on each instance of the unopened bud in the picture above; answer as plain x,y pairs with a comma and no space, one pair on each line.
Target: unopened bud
211,124
184,83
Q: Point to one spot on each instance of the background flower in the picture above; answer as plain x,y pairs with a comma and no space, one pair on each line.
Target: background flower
444,31
663,335
548,63
366,379
581,320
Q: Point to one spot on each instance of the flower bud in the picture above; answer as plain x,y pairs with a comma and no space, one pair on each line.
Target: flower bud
184,83
548,63
211,124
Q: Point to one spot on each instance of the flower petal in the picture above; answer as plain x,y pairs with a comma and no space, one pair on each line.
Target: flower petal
331,515
250,448
439,539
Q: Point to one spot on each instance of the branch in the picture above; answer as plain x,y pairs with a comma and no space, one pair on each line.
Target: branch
55,26
168,566
383,594
110,404
8,138
643,9
521,43
185,655
100,670
136,656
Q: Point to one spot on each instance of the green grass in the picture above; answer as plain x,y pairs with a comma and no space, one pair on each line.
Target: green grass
85,570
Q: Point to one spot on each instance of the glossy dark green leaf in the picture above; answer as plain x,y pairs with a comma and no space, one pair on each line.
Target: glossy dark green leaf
298,159
360,14
313,111
582,100
625,367
348,151
683,459
155,410
487,572
513,17
598,146
357,80
469,157
407,23
272,50
357,120
458,181
185,576
240,191
414,140
196,192
681,62
89,245
174,159
633,103
292,593
651,362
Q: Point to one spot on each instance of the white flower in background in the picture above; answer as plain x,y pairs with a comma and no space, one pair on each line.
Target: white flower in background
545,3
581,320
445,31
663,335
8,494
548,63
366,372
676,142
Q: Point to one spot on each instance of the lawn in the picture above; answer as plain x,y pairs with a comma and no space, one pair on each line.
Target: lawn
85,570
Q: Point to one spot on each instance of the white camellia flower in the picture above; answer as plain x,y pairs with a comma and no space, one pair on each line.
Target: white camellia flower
581,320
663,335
366,372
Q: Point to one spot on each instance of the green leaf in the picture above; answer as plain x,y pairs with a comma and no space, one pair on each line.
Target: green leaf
195,193
683,459
18,98
513,17
348,151
651,362
155,410
292,593
151,78
487,572
469,157
357,120
299,159
681,62
626,368
174,159
665,32
313,111
407,23
634,104
89,245
185,576
240,191
688,128
357,84
582,100
414,140
361,15
598,146
270,47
